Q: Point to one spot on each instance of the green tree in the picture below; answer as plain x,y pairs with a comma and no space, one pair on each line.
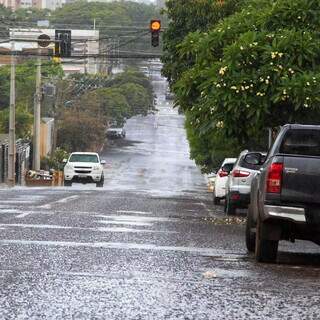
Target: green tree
134,76
137,98
113,105
24,121
79,131
264,71
188,22
186,17
25,82
257,68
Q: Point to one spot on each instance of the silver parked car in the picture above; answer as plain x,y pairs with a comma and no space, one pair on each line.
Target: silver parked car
115,133
238,186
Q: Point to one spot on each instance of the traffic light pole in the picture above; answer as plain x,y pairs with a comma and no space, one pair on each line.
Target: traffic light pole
12,120
37,116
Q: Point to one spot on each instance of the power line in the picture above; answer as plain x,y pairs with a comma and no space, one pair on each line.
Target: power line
97,56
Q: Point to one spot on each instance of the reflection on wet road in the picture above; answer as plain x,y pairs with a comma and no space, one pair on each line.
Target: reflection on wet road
155,155
149,245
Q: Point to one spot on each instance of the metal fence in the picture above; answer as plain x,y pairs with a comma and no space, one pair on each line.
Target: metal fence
23,149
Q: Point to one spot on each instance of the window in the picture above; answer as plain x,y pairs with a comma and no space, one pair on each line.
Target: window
304,142
228,167
84,158
251,158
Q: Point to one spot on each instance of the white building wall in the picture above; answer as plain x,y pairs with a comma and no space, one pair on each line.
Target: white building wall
52,4
83,42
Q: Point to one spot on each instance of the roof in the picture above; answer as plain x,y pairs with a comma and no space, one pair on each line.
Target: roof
302,126
93,153
47,120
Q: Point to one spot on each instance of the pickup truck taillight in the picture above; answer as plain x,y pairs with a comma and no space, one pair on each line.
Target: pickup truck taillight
240,174
222,173
274,178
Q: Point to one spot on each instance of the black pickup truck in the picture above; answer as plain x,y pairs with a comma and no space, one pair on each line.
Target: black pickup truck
285,193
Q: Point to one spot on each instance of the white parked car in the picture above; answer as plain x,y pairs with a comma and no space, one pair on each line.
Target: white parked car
219,191
84,167
238,186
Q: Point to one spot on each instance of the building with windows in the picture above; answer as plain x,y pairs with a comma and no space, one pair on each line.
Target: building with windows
53,4
84,42
21,4
12,4
39,4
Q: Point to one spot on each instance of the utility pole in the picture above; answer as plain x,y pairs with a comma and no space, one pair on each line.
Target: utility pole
270,137
86,61
37,116
12,119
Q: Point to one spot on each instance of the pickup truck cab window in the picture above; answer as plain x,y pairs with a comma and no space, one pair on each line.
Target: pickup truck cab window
301,142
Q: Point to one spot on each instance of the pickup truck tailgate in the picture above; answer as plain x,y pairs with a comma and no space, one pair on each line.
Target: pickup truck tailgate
301,180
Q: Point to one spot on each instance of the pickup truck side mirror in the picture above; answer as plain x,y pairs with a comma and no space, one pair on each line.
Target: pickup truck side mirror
64,160
103,161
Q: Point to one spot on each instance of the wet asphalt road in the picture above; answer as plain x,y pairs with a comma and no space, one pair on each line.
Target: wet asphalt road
149,245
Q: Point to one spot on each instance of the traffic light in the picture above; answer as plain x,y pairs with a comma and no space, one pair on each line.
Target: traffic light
62,44
155,27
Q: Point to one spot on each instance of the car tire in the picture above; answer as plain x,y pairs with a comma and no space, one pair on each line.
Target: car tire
216,200
67,183
266,250
250,235
229,208
100,183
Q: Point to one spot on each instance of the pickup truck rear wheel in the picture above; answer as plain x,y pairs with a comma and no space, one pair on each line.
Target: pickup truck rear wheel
250,235
266,250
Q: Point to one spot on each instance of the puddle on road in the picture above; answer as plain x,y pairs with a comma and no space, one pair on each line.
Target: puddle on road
131,230
136,218
217,273
126,223
134,212
10,210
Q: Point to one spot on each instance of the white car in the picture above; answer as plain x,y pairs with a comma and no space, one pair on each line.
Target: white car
114,133
219,191
84,167
238,187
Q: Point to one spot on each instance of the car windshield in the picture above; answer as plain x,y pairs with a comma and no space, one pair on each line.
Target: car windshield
304,142
84,158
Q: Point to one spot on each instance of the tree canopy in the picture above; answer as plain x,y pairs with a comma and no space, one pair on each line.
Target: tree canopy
121,13
103,100
25,89
254,69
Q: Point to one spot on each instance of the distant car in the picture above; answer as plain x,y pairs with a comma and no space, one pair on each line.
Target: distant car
221,179
238,185
115,133
84,167
211,177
